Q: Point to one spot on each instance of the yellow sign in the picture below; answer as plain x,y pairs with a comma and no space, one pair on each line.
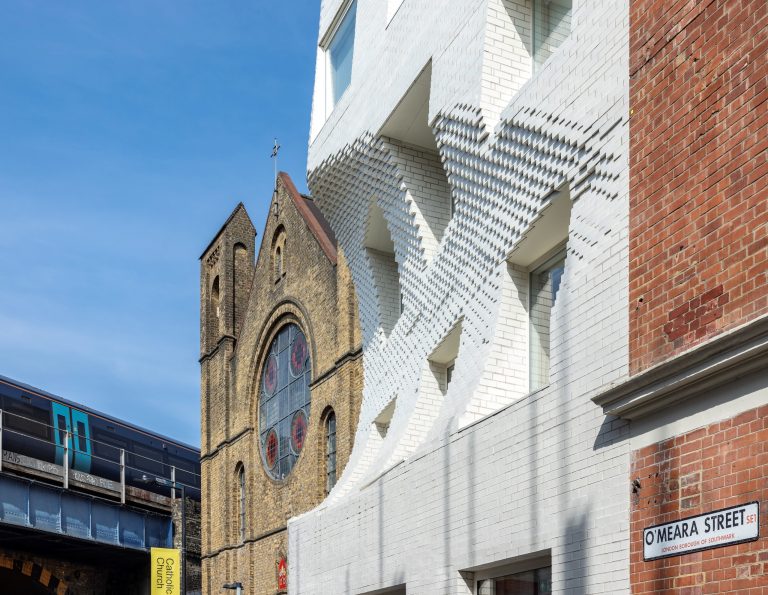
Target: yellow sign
165,573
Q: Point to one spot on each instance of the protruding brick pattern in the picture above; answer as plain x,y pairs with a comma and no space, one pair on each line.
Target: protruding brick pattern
445,490
721,465
698,172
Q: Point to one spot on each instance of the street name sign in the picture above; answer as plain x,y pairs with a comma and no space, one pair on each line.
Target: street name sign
718,528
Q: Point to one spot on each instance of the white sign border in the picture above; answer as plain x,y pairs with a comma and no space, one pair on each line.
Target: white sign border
706,547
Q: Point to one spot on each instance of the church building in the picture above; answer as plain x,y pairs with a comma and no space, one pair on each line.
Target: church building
281,383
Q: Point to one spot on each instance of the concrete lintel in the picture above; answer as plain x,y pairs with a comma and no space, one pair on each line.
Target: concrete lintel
732,355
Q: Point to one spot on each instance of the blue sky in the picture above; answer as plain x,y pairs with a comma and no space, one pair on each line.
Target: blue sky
128,133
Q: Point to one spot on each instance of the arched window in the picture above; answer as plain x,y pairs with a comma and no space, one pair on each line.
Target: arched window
241,502
278,254
215,297
278,262
284,401
330,451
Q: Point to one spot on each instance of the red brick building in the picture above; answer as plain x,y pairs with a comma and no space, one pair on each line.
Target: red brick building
697,399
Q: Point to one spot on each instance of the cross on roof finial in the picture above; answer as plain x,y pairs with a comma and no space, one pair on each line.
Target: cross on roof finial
275,149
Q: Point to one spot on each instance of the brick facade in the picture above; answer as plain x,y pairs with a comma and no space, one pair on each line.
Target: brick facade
698,172
482,168
697,284
717,466
307,284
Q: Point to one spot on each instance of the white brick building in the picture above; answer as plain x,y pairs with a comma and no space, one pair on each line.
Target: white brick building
473,164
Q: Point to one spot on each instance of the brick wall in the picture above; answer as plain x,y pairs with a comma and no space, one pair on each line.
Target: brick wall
387,281
698,164
427,190
721,465
316,293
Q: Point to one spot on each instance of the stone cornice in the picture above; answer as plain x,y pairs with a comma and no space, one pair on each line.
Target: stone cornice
730,356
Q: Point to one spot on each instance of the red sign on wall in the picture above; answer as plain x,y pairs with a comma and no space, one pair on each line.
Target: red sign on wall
282,574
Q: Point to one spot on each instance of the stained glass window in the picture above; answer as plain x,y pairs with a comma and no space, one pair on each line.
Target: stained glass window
284,401
330,452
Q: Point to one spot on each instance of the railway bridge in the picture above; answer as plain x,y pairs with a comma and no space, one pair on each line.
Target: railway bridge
68,531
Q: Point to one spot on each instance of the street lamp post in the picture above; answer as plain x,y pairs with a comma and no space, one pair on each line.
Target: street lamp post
237,587
161,481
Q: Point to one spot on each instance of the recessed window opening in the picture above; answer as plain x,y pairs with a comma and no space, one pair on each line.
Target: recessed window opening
241,502
330,451
278,254
380,250
384,418
240,277
551,26
442,360
414,149
398,590
339,52
215,297
528,575
544,287
528,582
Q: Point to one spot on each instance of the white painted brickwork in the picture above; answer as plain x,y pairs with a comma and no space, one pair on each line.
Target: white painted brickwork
452,487
427,191
384,271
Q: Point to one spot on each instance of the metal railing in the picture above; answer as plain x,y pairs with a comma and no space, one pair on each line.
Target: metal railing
120,461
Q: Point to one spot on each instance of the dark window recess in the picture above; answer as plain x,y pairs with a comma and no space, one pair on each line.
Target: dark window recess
28,420
82,443
330,452
61,424
107,446
531,582
147,459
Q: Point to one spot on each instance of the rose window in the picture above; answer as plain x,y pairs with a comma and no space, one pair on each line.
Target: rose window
284,401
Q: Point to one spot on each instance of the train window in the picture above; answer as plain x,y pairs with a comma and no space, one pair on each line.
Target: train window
62,426
27,419
186,472
107,445
147,459
82,442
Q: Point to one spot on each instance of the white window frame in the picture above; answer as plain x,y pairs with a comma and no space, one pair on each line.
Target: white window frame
559,252
325,46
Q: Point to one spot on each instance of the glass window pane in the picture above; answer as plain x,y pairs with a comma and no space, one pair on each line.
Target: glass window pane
282,396
330,454
340,52
551,25
545,285
530,582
